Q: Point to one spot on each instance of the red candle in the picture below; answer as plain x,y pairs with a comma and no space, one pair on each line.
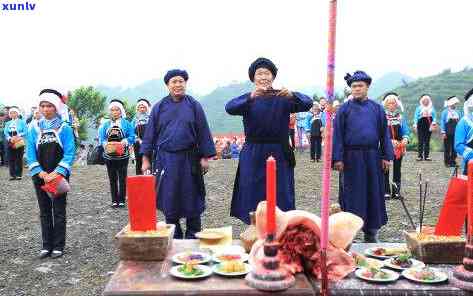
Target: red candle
470,200
141,202
270,195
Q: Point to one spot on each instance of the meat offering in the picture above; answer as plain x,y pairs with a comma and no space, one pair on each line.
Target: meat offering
298,233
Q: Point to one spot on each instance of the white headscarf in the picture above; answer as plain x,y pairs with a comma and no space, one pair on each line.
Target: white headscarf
398,102
427,108
54,100
119,105
14,109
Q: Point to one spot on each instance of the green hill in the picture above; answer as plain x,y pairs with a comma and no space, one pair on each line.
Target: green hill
440,87
214,106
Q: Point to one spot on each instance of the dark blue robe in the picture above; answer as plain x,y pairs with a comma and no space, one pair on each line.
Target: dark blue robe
361,140
264,118
173,131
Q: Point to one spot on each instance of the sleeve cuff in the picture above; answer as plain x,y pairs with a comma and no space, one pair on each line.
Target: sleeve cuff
36,170
33,165
64,165
62,171
468,152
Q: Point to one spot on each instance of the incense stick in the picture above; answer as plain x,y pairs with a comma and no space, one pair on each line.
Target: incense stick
423,205
420,200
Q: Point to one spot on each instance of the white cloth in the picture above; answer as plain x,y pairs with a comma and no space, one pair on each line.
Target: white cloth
120,106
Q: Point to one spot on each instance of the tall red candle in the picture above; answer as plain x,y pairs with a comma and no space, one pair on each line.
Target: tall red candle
470,200
270,195
141,202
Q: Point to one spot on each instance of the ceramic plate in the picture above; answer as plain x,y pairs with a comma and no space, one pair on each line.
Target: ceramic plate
216,269
179,258
439,276
206,271
393,276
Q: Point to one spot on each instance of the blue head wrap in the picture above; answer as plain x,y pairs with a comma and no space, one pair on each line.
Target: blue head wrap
175,72
262,63
358,76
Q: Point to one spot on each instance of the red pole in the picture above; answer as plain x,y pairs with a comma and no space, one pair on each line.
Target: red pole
327,156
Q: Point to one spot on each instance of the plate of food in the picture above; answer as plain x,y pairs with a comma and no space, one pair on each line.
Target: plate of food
403,262
377,275
365,262
194,257
425,275
230,256
385,253
232,268
190,271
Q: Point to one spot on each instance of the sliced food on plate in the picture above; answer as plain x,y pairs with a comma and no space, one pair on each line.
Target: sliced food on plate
232,268
402,262
194,257
425,275
377,275
190,271
384,252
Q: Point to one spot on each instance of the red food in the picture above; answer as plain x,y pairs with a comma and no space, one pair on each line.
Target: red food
299,238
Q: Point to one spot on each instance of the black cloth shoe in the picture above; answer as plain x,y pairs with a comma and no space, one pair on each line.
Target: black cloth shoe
44,253
19,178
114,205
12,178
56,254
428,159
419,159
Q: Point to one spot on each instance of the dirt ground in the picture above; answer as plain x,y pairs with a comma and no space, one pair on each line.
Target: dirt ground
91,255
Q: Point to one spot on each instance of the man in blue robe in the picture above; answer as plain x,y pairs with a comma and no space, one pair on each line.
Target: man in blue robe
179,135
464,133
362,150
265,113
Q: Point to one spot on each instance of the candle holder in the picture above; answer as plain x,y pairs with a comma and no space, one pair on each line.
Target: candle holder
463,274
268,274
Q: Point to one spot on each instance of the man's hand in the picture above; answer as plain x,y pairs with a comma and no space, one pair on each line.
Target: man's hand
385,164
204,163
146,165
285,93
405,141
444,136
258,92
338,166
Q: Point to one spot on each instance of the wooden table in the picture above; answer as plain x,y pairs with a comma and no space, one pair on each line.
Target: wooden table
153,278
352,286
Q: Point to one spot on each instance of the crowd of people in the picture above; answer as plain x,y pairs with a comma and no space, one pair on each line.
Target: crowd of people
172,140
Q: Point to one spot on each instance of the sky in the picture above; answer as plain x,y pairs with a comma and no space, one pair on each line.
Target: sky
64,44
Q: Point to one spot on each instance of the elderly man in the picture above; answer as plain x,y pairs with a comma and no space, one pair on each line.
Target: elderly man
179,134
362,149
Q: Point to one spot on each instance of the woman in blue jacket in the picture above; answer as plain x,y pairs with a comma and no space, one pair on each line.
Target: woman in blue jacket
15,131
116,135
464,132
50,153
424,124
448,123
399,134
